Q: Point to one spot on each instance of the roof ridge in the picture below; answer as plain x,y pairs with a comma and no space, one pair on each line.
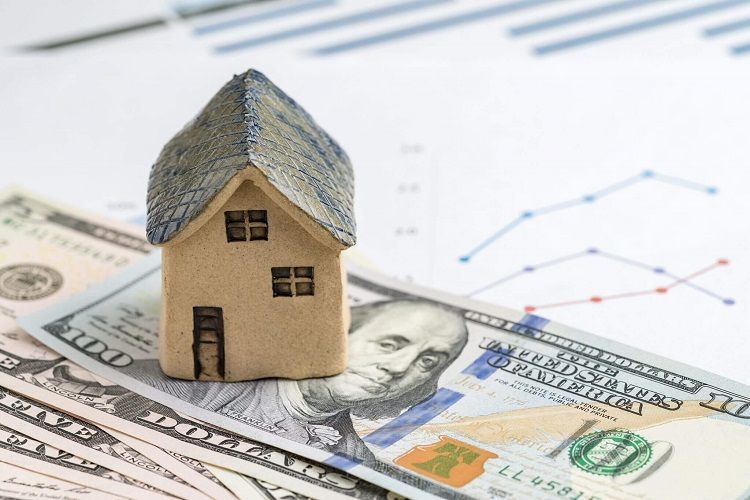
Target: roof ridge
281,140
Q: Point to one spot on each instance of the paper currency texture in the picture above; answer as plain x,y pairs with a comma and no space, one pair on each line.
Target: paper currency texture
88,441
55,251
444,396
17,482
29,453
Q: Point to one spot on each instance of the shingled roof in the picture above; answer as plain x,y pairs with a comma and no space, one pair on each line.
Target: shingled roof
251,123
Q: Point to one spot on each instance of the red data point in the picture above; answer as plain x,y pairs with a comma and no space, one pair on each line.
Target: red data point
722,262
661,289
529,309
595,299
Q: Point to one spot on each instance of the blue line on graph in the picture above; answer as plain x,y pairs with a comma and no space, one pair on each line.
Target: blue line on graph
739,50
617,186
626,29
584,200
659,270
727,28
334,23
434,25
528,269
579,15
630,262
287,10
725,300
677,181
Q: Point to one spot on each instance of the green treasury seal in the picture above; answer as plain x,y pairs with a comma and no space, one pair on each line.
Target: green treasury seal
610,453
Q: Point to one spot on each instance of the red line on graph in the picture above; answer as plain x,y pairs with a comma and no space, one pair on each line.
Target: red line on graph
718,263
596,299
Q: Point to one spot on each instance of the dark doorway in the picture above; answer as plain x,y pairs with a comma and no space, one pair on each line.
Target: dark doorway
208,341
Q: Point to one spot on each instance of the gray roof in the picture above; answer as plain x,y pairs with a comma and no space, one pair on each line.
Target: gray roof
251,123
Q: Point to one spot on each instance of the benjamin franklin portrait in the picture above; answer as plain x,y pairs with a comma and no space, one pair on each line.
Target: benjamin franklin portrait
397,351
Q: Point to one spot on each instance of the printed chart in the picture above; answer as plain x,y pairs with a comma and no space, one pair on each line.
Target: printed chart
585,199
584,161
673,280
537,28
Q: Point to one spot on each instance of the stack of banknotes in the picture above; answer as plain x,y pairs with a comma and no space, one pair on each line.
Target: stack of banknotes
443,397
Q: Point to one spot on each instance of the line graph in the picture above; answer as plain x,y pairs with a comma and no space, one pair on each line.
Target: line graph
675,280
637,26
651,20
333,23
579,16
730,28
586,199
288,19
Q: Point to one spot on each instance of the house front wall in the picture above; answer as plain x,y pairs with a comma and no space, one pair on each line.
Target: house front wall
263,335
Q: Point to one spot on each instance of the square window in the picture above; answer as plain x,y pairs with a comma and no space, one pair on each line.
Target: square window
284,282
303,272
246,225
304,288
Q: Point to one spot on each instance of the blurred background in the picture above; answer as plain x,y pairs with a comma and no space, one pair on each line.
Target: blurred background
582,160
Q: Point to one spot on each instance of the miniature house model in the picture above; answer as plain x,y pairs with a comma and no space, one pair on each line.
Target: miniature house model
252,204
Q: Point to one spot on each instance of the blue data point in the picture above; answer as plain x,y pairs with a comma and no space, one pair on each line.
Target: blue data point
589,198
592,250
647,173
659,270
729,302
529,269
527,215
464,258
712,190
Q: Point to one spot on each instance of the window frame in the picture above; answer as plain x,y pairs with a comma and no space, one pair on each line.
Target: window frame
253,224
293,281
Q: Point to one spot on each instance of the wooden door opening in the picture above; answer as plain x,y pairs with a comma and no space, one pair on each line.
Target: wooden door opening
208,342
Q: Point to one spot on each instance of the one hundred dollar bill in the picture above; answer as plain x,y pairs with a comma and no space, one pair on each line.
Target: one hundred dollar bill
190,470
93,398
83,439
16,482
23,451
170,464
248,488
442,396
48,252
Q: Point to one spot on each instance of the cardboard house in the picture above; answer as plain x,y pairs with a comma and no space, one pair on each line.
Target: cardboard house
252,204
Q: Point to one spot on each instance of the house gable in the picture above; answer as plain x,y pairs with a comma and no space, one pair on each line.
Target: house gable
254,176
